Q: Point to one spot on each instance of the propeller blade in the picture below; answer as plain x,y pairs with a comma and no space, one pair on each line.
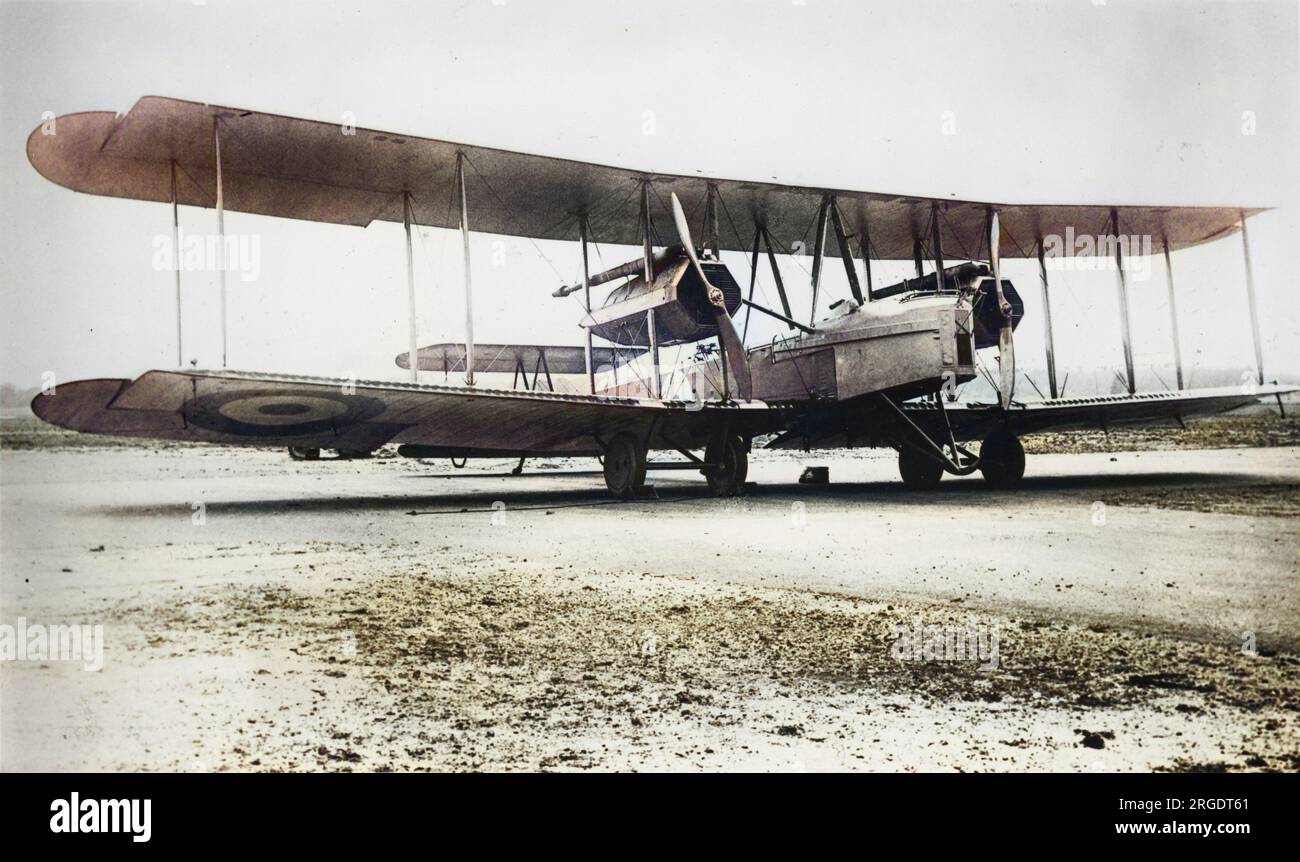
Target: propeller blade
734,349
1006,343
995,244
1006,366
684,234
732,346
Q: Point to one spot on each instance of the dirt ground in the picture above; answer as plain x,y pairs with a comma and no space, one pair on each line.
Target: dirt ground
1209,432
262,614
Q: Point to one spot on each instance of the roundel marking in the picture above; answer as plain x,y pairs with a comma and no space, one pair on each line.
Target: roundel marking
280,413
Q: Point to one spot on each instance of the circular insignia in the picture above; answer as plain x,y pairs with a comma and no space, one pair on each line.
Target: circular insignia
280,413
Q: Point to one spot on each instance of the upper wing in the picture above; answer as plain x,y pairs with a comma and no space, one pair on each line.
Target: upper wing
277,410
305,169
869,423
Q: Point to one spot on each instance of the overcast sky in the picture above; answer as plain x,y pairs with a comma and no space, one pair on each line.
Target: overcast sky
1060,101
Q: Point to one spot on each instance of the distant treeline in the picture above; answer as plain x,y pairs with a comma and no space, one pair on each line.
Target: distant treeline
17,396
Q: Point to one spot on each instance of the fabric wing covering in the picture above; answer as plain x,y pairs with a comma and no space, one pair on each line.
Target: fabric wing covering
328,172
283,410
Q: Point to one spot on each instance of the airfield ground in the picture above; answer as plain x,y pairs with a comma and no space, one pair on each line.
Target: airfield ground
262,614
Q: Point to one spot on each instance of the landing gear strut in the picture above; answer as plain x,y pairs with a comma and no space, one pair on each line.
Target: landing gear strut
1002,459
922,460
624,465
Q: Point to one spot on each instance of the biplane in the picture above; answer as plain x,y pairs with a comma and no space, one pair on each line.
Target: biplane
881,369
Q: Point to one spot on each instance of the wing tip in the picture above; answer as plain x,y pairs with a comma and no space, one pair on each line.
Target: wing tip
64,405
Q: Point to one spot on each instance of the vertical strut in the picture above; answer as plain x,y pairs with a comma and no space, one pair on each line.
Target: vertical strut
937,242
819,249
1250,302
469,286
176,265
1047,322
753,278
1122,283
586,300
1173,315
866,255
726,378
410,291
648,257
710,240
221,231
1006,343
709,236
846,253
776,273
916,256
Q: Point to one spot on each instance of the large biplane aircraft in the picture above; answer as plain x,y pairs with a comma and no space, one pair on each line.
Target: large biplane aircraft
881,370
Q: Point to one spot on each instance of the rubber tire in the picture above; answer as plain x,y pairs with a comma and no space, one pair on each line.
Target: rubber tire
1002,460
730,452
304,453
624,465
919,472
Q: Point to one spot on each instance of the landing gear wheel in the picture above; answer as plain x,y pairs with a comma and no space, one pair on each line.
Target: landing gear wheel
1002,459
919,472
304,453
624,465
728,477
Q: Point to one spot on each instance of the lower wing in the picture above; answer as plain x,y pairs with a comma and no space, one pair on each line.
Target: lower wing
872,423
276,410
972,421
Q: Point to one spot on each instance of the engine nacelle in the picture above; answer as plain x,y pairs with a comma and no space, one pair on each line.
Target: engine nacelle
987,317
680,303
976,281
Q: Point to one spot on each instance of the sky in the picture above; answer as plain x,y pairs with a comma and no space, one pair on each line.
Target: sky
1056,101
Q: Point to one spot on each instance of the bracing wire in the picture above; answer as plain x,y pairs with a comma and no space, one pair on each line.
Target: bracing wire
502,202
